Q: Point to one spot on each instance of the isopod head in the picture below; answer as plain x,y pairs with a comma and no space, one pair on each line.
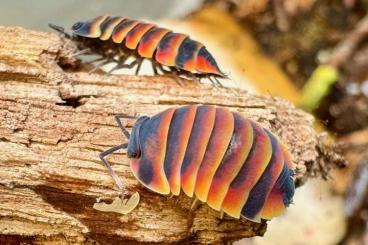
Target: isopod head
134,148
76,26
90,29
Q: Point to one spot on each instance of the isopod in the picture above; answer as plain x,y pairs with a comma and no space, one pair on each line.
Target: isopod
217,156
118,38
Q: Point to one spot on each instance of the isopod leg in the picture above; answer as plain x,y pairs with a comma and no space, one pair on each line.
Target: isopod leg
116,67
194,77
109,168
154,68
119,65
161,68
131,65
176,75
95,60
218,82
80,52
99,65
213,82
139,62
158,67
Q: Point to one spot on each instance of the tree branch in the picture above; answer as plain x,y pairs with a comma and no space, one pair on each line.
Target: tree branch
54,122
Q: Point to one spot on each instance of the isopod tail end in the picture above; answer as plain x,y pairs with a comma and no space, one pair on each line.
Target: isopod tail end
281,195
206,64
274,205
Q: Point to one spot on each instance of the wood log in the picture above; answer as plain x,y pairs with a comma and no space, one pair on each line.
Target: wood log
55,119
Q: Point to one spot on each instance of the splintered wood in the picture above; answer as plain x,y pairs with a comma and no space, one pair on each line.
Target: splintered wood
56,119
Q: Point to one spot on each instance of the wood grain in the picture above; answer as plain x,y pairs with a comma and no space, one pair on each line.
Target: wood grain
55,119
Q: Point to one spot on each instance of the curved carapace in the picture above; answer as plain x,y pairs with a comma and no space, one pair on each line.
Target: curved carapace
230,162
145,40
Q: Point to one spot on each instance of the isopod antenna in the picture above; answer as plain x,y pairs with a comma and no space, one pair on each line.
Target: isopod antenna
109,168
59,29
110,151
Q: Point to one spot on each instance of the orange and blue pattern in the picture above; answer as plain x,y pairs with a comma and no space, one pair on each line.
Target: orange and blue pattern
149,41
223,159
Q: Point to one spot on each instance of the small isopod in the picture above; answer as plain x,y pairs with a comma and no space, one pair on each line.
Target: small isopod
217,156
118,38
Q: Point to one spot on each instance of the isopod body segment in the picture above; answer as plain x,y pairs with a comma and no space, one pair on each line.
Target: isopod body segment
218,156
123,36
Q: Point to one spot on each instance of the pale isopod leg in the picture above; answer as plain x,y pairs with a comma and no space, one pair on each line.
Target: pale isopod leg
95,60
80,52
99,65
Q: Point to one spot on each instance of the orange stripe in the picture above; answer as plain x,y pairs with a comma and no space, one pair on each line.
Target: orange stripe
260,192
166,54
287,157
274,205
134,36
106,32
206,63
91,29
191,63
203,66
216,148
199,137
249,174
234,159
148,46
122,30
179,133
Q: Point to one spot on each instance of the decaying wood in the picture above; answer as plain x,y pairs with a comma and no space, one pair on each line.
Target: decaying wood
54,122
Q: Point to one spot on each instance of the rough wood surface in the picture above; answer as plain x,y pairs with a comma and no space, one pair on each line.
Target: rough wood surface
55,120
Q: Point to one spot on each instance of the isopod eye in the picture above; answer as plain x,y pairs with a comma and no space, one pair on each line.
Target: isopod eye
133,154
77,25
134,147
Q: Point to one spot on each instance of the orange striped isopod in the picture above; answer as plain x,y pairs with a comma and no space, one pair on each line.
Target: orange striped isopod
217,156
117,38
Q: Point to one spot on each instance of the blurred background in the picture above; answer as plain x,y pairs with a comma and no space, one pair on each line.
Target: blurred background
313,53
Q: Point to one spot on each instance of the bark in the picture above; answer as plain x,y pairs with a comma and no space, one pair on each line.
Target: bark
55,119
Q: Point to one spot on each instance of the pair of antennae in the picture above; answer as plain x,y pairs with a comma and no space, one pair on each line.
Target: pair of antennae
119,205
110,151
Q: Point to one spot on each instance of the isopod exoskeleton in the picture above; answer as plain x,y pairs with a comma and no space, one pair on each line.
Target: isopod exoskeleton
117,38
215,155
